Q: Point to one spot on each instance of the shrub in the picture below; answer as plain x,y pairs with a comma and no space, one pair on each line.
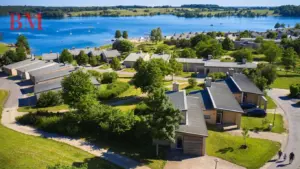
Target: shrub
192,82
95,74
109,77
49,99
295,90
239,55
217,76
113,90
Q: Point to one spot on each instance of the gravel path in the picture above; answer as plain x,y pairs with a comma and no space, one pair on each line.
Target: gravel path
8,120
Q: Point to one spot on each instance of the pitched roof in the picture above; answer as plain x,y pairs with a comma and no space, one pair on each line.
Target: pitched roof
193,60
222,98
50,69
230,65
111,53
244,84
132,57
205,101
165,57
196,123
53,75
178,99
21,64
36,66
50,56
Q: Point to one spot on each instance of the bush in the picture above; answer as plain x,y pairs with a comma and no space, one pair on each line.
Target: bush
295,90
96,74
109,77
217,76
49,99
192,82
113,90
239,55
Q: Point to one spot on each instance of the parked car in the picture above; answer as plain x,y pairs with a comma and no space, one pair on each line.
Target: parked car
248,106
257,112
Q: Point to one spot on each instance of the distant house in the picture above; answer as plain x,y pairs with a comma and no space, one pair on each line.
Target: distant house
88,51
108,55
50,57
165,57
219,105
25,71
206,66
133,57
192,132
245,91
246,44
11,69
53,75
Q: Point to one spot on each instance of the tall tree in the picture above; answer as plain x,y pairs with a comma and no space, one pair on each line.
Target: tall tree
65,56
165,119
21,53
196,39
188,53
176,67
273,53
277,25
115,64
156,35
82,58
210,47
22,42
227,44
125,35
289,58
75,87
123,45
138,64
118,34
241,54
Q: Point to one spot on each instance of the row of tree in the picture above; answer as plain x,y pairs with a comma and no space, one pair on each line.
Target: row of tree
118,34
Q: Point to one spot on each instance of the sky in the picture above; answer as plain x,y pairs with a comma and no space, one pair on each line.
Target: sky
148,2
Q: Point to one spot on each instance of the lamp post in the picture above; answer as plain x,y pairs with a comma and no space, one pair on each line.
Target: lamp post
274,117
216,160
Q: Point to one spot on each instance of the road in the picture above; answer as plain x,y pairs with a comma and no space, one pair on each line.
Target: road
292,113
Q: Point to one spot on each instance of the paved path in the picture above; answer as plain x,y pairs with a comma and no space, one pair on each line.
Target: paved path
292,113
8,120
205,162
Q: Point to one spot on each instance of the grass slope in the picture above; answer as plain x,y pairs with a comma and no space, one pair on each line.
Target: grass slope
271,104
227,147
20,151
50,109
285,79
3,48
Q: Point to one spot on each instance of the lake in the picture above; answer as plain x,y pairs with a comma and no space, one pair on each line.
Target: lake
80,32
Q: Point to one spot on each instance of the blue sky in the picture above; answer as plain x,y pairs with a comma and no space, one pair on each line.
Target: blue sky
148,2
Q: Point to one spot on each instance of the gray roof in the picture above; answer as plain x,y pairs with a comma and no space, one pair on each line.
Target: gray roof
195,118
50,56
193,60
54,85
49,69
21,64
222,98
231,65
244,84
178,99
53,75
132,57
111,53
36,66
165,57
205,101
94,51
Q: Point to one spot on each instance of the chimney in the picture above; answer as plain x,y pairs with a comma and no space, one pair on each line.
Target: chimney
175,87
231,71
244,60
209,57
208,81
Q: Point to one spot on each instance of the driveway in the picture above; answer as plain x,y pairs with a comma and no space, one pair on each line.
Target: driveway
14,92
292,113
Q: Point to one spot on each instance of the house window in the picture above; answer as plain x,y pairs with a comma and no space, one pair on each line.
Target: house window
207,116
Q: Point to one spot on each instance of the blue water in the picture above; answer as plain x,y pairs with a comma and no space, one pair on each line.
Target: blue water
79,32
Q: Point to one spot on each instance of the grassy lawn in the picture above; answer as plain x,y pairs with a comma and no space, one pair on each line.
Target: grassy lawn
185,74
3,48
50,109
271,103
125,79
227,147
255,123
20,151
105,66
132,91
126,107
190,89
129,70
285,79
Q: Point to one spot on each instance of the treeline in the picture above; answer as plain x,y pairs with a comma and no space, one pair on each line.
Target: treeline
239,13
288,10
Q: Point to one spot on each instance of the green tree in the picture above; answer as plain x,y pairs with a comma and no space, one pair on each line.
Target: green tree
93,61
227,44
176,67
21,53
8,58
123,45
297,26
115,64
75,86
261,82
188,53
245,134
289,58
259,39
82,58
272,35
268,71
273,53
66,56
118,34
162,48
49,99
211,47
156,35
138,63
241,54
148,77
192,82
125,35
277,25
22,42
109,77
196,39
165,119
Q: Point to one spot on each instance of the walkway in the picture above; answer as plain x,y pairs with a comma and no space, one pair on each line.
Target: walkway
8,120
292,112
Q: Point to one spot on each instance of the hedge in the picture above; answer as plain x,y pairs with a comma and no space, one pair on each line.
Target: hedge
113,90
295,90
